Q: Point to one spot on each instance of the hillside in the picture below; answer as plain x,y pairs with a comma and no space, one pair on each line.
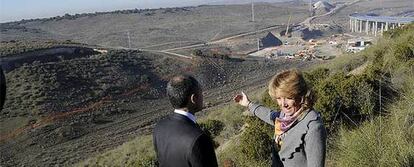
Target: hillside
169,26
383,137
68,109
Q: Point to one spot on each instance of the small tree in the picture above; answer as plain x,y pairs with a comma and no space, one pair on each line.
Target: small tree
198,52
255,141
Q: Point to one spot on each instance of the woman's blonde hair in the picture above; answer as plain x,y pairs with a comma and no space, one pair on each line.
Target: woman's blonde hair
291,84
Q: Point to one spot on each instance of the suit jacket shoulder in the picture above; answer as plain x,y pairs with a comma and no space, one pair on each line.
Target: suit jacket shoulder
180,142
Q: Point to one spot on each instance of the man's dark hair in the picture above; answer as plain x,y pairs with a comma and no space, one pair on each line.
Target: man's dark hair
2,88
180,88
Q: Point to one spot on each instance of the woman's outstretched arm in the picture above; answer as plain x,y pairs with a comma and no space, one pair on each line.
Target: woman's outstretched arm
263,113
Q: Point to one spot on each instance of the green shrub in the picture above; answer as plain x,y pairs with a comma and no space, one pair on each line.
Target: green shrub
233,154
252,146
385,140
230,116
144,79
402,50
255,141
398,32
315,76
268,101
197,52
212,127
340,94
344,63
138,152
381,142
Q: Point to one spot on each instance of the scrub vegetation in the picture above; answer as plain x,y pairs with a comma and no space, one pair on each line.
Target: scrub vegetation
369,115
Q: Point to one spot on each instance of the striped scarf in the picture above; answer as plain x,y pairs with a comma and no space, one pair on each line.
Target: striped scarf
284,124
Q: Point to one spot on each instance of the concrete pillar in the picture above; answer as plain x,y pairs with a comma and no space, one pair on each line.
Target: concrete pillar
372,28
382,28
350,24
367,27
376,28
393,25
356,25
386,26
360,26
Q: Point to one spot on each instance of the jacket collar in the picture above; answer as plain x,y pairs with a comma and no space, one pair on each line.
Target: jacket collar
186,114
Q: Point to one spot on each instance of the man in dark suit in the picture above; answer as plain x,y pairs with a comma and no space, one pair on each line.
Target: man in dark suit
178,140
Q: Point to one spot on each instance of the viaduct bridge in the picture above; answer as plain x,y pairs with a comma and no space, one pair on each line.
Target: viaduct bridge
363,23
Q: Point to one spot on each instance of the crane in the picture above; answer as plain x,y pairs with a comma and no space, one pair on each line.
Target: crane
287,27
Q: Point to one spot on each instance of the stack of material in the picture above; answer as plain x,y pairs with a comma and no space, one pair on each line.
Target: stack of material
322,7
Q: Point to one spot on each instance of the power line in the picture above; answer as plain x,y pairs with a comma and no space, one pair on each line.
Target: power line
310,8
252,11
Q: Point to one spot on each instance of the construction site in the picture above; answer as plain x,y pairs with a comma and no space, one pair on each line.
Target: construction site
305,40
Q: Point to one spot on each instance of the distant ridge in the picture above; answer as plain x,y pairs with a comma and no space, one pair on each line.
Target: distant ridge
322,7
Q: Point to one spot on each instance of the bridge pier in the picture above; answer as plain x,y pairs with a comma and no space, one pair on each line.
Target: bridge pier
376,24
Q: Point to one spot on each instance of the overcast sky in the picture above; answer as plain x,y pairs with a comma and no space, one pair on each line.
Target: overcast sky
14,10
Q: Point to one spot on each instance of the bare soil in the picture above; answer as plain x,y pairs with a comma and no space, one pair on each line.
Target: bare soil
69,136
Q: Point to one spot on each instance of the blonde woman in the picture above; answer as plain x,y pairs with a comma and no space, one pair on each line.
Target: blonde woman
300,136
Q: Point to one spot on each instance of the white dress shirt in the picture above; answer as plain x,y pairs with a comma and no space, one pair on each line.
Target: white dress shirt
187,114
